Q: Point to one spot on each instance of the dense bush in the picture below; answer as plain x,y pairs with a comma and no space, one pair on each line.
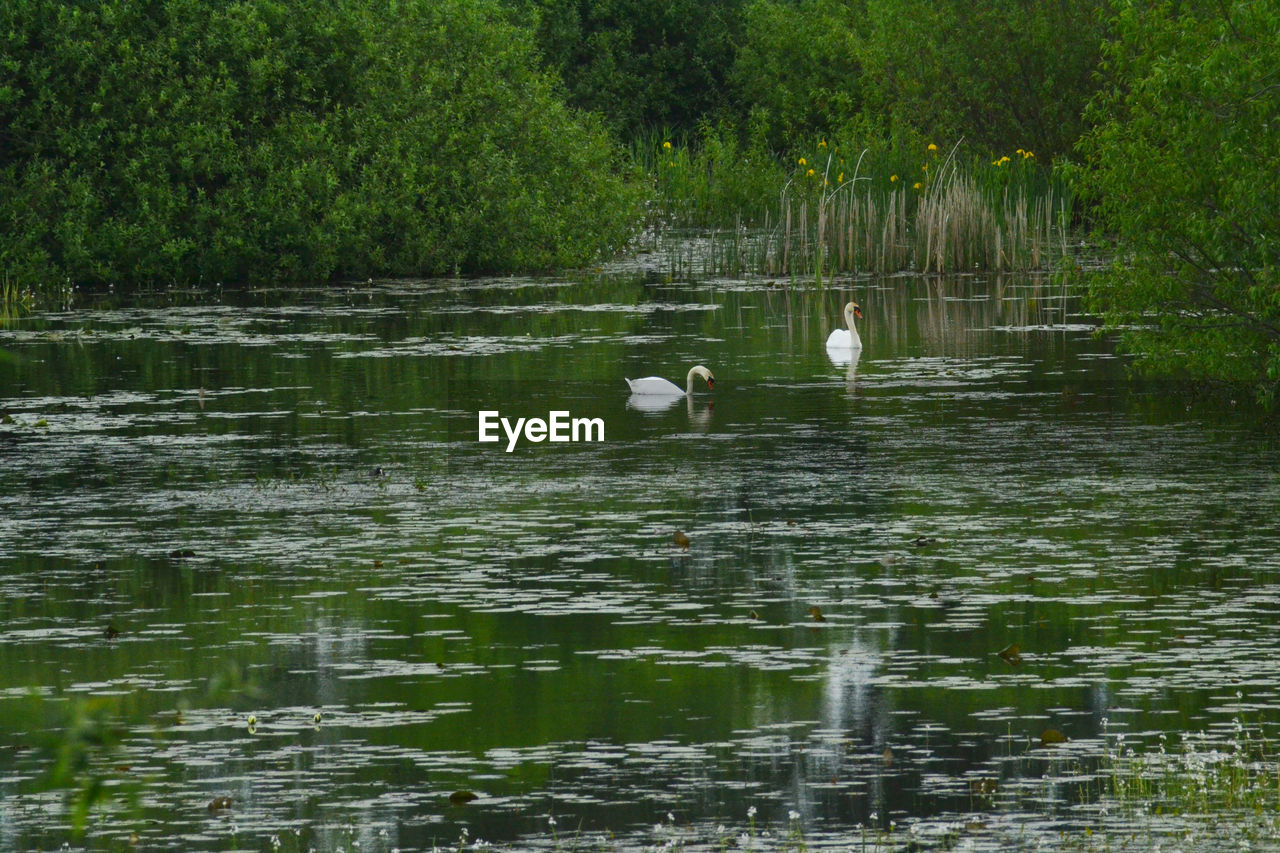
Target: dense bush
797,73
1002,75
1183,166
643,64
155,141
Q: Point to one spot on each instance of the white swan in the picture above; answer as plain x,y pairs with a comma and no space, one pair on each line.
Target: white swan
841,339
657,386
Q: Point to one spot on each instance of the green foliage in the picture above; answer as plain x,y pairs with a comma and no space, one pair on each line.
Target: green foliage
171,140
1183,165
643,64
711,179
798,72
999,76
1002,75
843,205
86,738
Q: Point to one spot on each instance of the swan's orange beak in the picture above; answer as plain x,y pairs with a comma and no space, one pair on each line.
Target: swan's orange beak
857,312
711,383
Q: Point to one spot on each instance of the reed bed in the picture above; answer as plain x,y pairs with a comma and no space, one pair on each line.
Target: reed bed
827,216
953,225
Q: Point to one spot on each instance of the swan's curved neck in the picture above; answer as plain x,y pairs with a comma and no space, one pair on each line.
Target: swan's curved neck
688,382
855,339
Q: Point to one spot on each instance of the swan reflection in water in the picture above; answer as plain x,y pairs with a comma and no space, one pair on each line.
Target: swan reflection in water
848,359
653,404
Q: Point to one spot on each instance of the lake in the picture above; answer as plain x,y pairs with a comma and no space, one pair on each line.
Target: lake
264,585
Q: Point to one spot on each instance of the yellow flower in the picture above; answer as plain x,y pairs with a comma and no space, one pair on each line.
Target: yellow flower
671,164
804,162
822,144
917,185
893,178
840,180
1000,162
1020,151
932,147
666,146
1027,154
809,174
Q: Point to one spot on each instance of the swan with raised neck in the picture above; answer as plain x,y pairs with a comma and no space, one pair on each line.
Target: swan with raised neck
658,385
847,339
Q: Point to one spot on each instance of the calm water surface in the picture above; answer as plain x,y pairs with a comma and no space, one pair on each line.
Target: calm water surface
276,506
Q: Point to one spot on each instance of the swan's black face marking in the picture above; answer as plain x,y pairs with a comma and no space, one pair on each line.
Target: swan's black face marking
857,312
711,382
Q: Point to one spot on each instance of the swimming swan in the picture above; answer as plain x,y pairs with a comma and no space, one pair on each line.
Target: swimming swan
841,339
656,385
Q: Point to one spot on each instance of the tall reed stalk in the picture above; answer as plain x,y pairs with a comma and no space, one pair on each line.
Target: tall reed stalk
1009,215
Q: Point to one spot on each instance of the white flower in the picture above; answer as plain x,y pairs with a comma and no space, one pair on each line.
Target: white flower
793,815
751,812
551,820
671,817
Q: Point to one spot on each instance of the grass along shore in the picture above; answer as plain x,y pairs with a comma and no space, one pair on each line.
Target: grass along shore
832,209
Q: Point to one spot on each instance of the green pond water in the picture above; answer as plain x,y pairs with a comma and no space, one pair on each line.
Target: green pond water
275,505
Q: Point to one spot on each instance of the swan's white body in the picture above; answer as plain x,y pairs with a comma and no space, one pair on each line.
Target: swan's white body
657,386
847,339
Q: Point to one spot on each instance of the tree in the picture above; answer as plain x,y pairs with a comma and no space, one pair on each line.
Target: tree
798,68
1183,167
156,141
642,64
1002,75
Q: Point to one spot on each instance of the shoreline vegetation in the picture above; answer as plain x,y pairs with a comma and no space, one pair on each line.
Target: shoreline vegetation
173,143
837,210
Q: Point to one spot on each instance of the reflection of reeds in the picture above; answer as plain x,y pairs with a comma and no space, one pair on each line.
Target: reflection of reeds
14,299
